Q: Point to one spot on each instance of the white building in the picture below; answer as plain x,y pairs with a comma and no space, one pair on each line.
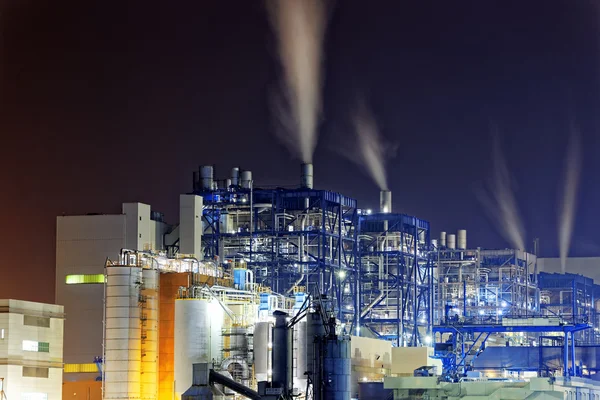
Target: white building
83,243
31,350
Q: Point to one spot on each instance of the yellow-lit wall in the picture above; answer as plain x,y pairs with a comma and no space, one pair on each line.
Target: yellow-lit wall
82,390
169,286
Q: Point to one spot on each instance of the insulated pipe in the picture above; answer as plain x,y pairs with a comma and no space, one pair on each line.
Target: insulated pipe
385,201
235,176
306,176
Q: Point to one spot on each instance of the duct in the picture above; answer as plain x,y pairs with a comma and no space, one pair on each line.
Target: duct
238,360
207,177
215,377
385,201
306,176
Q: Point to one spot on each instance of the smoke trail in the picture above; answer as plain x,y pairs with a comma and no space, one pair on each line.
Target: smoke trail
299,26
500,200
569,200
373,151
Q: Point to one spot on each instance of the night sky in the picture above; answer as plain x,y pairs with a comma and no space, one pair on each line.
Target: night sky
109,102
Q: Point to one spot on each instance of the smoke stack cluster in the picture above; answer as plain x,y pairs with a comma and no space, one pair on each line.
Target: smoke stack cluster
385,201
306,176
453,241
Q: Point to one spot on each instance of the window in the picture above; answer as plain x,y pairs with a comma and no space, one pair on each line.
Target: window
30,320
34,396
89,278
71,368
40,347
35,372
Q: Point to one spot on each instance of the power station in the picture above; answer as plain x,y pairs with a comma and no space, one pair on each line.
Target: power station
280,293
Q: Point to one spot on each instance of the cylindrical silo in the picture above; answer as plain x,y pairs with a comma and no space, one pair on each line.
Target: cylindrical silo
149,330
282,353
385,201
461,239
246,179
306,176
206,177
235,176
442,239
263,342
300,356
337,369
192,339
451,241
216,330
122,347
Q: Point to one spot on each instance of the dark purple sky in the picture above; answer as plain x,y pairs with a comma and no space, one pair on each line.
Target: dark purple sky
106,102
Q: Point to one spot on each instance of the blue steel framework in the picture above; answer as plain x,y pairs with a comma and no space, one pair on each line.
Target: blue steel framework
571,296
395,277
289,238
465,340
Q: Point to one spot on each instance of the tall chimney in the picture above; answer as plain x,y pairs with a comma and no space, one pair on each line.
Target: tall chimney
206,177
235,176
461,239
385,201
442,239
306,176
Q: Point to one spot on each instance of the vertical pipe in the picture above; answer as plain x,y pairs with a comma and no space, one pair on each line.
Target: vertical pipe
464,298
416,277
573,353
566,355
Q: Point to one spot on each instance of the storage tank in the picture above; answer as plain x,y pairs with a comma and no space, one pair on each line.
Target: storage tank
461,239
149,334
443,239
282,353
263,342
451,241
337,369
217,315
192,339
122,347
246,179
206,177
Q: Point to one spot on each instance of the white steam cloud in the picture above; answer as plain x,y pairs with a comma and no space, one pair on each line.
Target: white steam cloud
300,27
569,200
372,148
499,200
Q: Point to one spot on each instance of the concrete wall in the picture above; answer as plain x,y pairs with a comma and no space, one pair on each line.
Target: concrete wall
13,357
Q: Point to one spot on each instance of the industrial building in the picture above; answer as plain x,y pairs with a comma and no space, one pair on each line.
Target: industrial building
31,350
298,292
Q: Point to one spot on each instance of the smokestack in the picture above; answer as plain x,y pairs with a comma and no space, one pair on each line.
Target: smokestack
235,176
461,239
306,176
451,242
385,201
206,177
246,178
196,181
442,239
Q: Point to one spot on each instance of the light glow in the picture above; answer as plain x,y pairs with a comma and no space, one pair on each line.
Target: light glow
84,279
427,339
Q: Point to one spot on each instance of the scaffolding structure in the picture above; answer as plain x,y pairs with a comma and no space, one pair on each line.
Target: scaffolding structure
287,238
484,284
395,277
571,297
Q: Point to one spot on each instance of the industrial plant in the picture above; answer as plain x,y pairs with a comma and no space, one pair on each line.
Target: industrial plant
275,293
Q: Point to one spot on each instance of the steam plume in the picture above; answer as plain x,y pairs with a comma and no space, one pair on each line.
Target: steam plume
373,151
569,200
300,27
500,201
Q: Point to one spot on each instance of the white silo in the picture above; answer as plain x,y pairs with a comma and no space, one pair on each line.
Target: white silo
461,239
122,348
